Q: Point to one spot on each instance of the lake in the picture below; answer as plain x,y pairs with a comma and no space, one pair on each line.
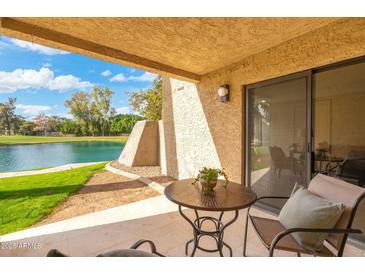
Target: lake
26,157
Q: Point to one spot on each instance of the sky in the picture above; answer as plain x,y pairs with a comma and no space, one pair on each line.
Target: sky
42,78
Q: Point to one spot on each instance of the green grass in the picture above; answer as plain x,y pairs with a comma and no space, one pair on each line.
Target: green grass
260,157
21,140
26,200
262,151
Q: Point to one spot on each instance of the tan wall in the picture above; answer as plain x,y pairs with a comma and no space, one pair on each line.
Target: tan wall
142,148
193,141
162,147
338,41
169,130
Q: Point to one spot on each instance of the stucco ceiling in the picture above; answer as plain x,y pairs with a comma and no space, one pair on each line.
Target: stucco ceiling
185,47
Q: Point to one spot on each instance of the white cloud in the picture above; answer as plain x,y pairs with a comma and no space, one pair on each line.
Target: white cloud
24,78
122,110
118,78
37,48
147,76
65,115
32,110
44,78
106,73
66,82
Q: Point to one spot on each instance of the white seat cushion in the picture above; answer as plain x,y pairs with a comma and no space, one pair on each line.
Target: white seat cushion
307,210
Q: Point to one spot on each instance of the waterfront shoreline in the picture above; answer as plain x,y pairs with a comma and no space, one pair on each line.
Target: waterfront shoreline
65,167
32,140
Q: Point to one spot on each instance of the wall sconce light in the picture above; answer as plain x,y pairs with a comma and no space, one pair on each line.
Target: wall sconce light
223,93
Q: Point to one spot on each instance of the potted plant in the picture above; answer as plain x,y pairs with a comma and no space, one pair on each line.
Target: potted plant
208,178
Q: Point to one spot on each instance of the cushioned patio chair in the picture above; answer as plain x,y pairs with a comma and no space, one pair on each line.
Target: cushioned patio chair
280,161
352,169
275,236
131,252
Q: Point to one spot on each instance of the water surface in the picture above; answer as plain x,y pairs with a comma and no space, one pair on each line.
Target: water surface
25,157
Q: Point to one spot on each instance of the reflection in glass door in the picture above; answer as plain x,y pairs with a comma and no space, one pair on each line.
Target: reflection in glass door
277,135
339,127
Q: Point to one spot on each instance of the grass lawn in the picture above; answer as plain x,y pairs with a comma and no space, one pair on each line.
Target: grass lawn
26,200
260,157
20,140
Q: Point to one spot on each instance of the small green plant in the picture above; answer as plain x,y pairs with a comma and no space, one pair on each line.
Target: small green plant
210,176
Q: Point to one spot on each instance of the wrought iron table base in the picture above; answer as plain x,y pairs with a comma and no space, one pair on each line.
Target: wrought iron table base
216,234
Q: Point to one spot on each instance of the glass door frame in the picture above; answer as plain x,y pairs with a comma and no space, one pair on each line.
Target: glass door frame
309,120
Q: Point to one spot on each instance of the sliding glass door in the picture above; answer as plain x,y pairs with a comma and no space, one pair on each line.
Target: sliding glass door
339,126
278,135
303,124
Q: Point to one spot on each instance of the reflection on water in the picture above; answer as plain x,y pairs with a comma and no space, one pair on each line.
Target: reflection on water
25,157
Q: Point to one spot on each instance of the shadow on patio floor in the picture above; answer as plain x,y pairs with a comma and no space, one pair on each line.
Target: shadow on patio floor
168,230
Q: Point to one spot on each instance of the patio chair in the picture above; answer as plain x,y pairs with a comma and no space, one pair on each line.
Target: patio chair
275,236
279,160
352,169
131,252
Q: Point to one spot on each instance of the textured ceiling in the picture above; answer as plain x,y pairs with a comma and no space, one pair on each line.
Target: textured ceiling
193,45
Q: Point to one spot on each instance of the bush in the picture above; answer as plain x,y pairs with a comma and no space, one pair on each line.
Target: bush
70,127
123,123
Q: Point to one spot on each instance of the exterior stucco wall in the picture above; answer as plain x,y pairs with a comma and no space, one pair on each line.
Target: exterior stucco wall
142,148
162,147
169,130
193,142
339,41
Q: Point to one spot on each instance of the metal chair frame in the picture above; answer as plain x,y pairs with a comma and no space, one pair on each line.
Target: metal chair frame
279,236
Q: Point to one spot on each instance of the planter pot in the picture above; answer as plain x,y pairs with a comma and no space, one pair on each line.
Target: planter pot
208,185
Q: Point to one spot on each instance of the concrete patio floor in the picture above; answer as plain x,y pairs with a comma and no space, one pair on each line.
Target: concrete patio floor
155,218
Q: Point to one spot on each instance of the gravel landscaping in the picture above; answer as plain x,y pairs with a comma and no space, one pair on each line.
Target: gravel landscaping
151,172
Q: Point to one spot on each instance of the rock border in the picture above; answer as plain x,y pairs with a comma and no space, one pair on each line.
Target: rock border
152,184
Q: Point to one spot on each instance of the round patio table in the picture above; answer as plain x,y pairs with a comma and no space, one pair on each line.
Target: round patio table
232,197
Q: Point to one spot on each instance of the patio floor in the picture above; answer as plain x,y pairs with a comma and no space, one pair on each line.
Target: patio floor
117,228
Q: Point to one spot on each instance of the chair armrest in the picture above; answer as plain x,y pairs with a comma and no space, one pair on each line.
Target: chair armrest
339,169
151,244
267,197
309,230
272,197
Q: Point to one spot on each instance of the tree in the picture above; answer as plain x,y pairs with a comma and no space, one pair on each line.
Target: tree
81,108
148,103
27,128
101,106
123,123
44,123
262,109
92,111
7,115
57,120
17,121
68,126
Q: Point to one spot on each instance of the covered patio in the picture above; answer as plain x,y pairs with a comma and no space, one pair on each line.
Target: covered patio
197,56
